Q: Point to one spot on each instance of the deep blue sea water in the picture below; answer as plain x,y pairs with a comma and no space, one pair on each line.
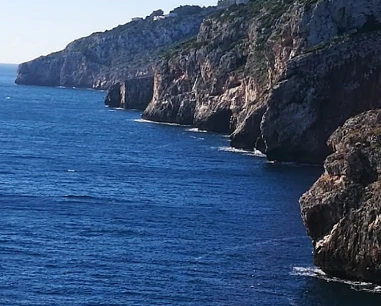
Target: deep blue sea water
100,208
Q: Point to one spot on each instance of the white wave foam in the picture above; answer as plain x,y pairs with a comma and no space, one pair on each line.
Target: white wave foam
317,273
71,171
259,153
194,137
155,122
231,149
241,151
113,109
308,271
7,98
94,89
196,130
271,162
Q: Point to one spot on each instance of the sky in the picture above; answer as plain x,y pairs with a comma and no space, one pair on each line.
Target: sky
31,28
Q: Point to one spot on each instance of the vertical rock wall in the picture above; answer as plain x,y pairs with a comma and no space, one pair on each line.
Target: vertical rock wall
131,94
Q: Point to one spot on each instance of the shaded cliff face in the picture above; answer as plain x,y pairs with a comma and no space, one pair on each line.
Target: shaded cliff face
319,93
323,68
102,59
342,210
273,72
131,94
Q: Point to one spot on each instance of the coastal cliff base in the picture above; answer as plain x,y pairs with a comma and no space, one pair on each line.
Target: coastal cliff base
342,211
279,76
133,93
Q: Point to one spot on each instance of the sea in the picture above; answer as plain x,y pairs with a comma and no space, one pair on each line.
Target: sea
99,207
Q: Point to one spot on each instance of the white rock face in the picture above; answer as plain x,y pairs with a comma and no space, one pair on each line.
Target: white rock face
102,59
273,75
334,17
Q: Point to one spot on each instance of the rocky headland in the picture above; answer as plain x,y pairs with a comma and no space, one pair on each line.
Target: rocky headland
342,211
280,76
269,72
272,74
103,59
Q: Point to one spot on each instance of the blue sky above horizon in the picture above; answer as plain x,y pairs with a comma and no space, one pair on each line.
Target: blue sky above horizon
29,29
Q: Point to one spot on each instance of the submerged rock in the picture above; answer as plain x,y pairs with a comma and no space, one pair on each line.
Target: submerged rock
342,211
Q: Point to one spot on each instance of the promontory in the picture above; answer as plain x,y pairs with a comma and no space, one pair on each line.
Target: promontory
299,80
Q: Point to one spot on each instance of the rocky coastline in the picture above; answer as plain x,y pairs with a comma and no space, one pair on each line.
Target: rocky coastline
287,100
342,211
270,73
298,80
271,76
106,58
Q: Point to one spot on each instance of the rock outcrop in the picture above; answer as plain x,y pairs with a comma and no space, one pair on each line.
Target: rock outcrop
320,92
279,75
133,93
204,82
127,51
342,211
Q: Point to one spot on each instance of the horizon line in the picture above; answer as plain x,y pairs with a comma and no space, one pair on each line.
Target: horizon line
9,63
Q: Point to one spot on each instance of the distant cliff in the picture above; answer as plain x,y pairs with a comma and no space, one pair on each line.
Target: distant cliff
280,76
102,59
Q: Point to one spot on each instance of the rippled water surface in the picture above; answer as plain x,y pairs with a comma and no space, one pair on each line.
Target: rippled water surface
100,208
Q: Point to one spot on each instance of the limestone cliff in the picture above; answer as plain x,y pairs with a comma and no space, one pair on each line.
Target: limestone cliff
280,75
342,210
103,59
204,81
133,93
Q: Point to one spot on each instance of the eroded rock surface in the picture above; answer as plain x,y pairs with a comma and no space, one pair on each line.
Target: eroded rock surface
272,73
103,59
278,75
133,93
342,211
